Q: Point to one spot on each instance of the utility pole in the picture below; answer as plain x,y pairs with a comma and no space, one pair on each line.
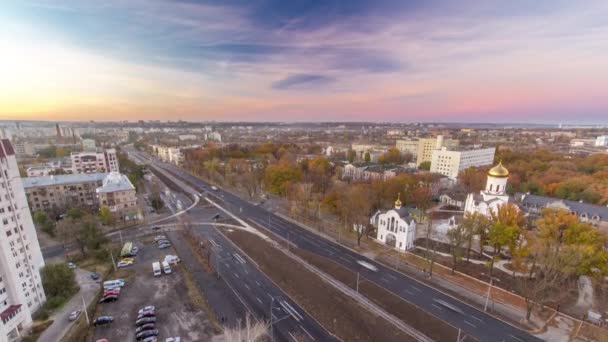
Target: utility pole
485,307
84,308
113,262
271,324
120,234
357,282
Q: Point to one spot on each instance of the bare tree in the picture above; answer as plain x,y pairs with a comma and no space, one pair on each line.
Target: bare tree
457,237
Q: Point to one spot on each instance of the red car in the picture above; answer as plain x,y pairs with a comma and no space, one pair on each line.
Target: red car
115,292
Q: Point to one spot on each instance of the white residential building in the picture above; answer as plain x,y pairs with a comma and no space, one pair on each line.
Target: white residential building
408,146
450,162
21,291
119,195
602,140
426,147
95,162
214,136
396,228
88,145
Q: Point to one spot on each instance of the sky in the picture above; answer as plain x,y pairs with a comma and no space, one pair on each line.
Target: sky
276,60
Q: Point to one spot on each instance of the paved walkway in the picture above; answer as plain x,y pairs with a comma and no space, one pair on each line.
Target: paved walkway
61,323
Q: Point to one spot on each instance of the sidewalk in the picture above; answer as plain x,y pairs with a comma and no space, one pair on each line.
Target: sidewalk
61,323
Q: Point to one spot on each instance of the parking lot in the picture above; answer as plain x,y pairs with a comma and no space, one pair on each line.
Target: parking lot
175,315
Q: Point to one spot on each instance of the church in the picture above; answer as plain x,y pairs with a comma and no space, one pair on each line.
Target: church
493,196
396,228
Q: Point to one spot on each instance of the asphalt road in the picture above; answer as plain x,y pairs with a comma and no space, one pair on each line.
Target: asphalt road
472,321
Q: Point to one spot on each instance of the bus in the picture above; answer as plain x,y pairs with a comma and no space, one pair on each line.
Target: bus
126,249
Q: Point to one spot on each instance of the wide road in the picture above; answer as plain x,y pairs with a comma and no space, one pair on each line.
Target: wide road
472,321
258,294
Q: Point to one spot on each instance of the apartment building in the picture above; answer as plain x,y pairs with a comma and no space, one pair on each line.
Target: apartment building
450,162
169,154
59,192
95,162
408,146
119,195
426,146
21,291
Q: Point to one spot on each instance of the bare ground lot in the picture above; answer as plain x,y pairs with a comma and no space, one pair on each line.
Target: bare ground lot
335,311
175,312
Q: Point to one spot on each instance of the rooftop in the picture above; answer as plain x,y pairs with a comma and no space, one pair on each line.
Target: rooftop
31,182
115,181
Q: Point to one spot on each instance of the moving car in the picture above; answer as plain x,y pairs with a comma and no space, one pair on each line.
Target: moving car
124,264
74,315
109,299
146,333
102,320
214,188
145,320
94,276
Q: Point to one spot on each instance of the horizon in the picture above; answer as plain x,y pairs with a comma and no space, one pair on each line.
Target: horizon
317,61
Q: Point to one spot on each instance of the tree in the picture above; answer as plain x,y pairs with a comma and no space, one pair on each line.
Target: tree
105,216
74,213
473,224
504,230
392,156
41,219
457,237
351,156
367,157
84,232
357,209
425,165
58,280
472,179
278,176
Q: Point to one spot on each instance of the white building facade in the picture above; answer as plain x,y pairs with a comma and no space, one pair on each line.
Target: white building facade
95,162
450,162
21,291
395,227
493,196
602,140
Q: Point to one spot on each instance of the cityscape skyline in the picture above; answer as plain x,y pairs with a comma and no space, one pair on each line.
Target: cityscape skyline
384,61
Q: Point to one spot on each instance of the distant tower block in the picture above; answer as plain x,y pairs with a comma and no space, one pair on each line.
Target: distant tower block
58,133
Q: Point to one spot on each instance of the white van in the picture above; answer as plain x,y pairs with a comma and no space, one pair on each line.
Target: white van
156,268
112,284
166,267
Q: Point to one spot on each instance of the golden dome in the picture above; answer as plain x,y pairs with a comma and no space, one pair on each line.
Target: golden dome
498,171
398,201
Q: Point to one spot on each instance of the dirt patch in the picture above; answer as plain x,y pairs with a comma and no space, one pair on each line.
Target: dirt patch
334,310
408,313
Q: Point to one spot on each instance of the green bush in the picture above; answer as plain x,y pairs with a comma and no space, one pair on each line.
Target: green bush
54,302
41,315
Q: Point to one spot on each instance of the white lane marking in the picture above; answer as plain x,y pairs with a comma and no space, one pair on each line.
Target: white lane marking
437,307
258,283
214,243
307,333
384,279
330,252
236,275
408,291
294,338
345,259
247,286
227,264
259,300
471,324
415,288
392,276
239,258
311,241
269,295
289,309
245,271
477,318
516,338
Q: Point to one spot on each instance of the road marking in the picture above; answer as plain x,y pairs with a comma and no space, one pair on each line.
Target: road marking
410,292
294,338
476,318
415,288
516,338
227,264
343,258
330,252
438,307
245,271
310,241
247,286
307,333
471,324
384,279
269,295
259,300
290,310
239,258
258,283
392,276
236,275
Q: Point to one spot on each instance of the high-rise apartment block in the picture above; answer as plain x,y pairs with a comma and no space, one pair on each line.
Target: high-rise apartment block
95,162
426,146
21,291
451,162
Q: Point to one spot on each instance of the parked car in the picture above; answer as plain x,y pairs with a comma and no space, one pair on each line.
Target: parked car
102,340
102,320
165,245
95,276
146,333
156,228
71,265
145,320
172,259
173,339
128,258
113,292
146,309
108,299
134,250
160,237
146,314
150,339
114,283
74,315
124,264
149,326
214,188
163,241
